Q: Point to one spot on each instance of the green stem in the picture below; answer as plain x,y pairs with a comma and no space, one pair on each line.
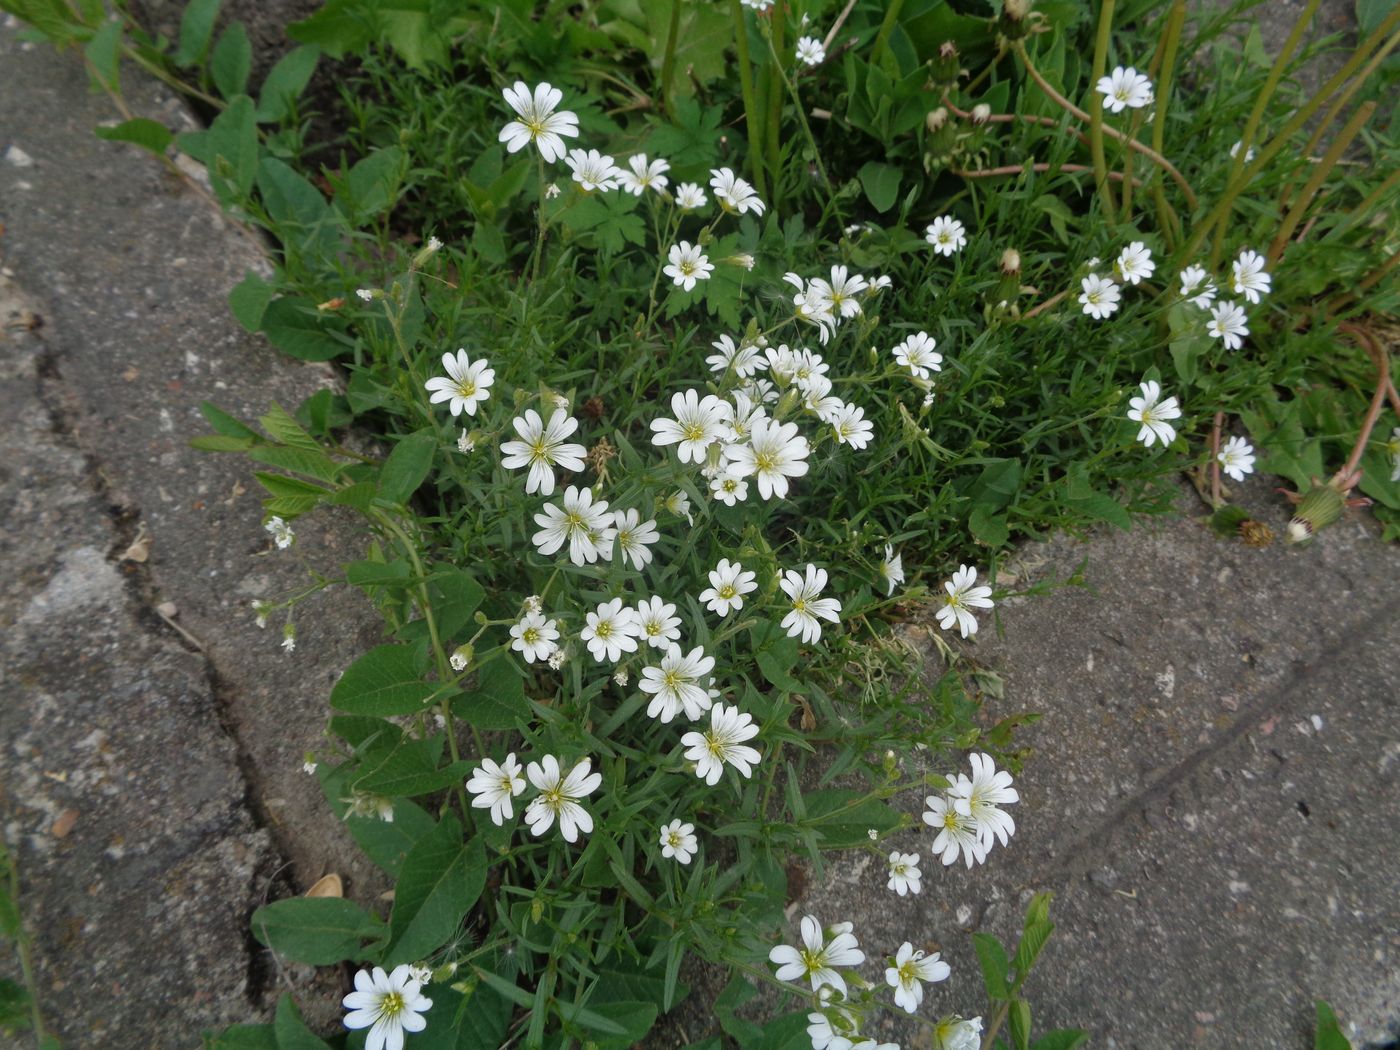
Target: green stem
773,130
1176,19
1319,175
882,39
1096,109
751,115
668,63
807,129
26,961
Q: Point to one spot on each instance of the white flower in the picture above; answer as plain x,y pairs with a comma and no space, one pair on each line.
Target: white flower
1125,88
946,234
818,958
611,630
678,503
284,537
698,424
729,582
689,196
1100,296
289,638
733,193
557,658
892,569
586,525
743,359
807,607
678,840
978,797
758,5
843,291
533,603
747,411
908,973
1227,323
261,609
722,742
632,536
810,51
955,1033
729,488
534,637
657,622
368,294
464,387
558,797
775,453
593,171
388,1004
904,873
1250,280
493,786
538,122
823,1033
644,176
917,354
675,684
308,766
1154,416
812,303
543,448
1392,448
1196,287
1235,151
956,833
1135,263
551,191
688,264
962,598
851,426
420,972
1237,458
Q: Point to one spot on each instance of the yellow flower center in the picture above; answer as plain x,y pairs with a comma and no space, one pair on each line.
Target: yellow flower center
391,1004
765,461
466,388
603,629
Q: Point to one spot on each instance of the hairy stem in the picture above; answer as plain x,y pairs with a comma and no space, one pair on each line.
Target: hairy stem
1096,109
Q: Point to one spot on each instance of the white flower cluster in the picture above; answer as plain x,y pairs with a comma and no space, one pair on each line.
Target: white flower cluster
968,817
493,786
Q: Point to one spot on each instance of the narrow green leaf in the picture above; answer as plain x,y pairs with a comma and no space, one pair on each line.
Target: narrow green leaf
285,430
1019,1021
297,460
407,466
992,958
1032,941
285,82
150,135
386,681
196,27
232,61
1329,1031
1061,1039
314,930
103,53
221,443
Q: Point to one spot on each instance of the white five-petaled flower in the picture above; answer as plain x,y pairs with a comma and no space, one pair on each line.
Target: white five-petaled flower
956,832
851,426
810,51
1228,323
593,171
812,304
388,1004
892,568
946,234
610,630
633,537
908,973
1196,287
904,873
1100,296
1237,458
699,422
534,637
963,596
818,958
493,786
743,359
466,384
643,175
1249,278
1135,263
722,742
538,123
843,290
978,797
687,265
729,582
675,684
558,797
775,452
542,448
678,841
657,622
1153,414
689,196
957,1033
917,354
584,523
729,488
284,537
808,609
733,193
1125,88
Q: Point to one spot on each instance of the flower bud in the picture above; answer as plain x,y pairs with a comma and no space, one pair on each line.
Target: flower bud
461,657
1014,23
947,65
1011,262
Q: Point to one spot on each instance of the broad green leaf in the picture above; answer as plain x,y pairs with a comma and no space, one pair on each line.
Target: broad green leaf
196,28
788,1032
289,197
229,150
377,573
1061,1039
150,135
455,595
295,327
498,702
1099,507
881,184
243,1037
297,460
285,82
249,300
292,1033
409,770
388,842
283,428
440,880
225,424
232,61
988,527
844,817
407,466
315,930
103,54
992,958
372,184
1329,1033
386,681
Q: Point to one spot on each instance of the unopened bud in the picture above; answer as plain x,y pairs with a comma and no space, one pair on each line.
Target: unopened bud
461,657
947,65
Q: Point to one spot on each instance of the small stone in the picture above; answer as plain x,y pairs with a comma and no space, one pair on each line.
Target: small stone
64,824
16,156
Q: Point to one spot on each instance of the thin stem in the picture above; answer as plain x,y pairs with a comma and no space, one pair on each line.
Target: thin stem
836,26
1176,19
26,960
1215,497
886,28
1324,168
772,137
741,44
1018,169
668,63
1111,132
1383,385
807,128
1096,107
1054,299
